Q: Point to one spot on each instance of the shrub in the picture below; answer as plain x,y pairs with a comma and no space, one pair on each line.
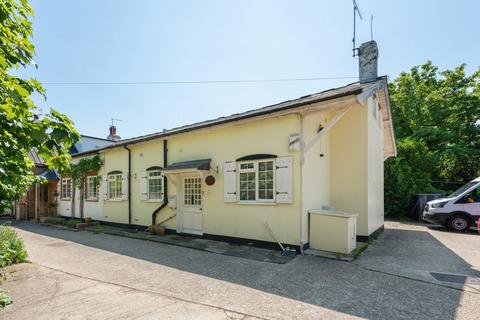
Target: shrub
5,299
97,229
12,249
57,220
72,223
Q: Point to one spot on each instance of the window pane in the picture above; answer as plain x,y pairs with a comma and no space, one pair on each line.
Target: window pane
154,188
154,173
192,191
265,180
247,186
119,186
91,187
246,166
111,188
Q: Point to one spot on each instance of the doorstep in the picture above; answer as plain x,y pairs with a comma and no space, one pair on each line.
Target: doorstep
361,246
198,243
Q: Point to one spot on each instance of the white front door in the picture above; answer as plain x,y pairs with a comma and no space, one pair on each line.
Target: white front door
191,204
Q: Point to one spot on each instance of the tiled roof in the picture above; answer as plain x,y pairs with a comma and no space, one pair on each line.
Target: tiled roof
355,88
36,158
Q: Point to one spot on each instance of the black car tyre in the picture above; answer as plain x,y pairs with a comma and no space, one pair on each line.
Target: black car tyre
459,223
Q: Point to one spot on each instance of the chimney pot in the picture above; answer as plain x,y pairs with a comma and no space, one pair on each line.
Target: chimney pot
113,134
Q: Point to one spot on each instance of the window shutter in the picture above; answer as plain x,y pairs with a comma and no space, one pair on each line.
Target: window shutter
143,186
124,187
230,181
284,179
104,188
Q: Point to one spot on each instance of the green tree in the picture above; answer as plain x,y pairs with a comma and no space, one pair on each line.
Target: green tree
21,128
78,172
436,115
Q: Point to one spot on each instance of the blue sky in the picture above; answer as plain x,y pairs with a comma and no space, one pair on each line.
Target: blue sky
149,40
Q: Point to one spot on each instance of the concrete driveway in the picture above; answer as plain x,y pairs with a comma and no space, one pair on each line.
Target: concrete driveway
88,276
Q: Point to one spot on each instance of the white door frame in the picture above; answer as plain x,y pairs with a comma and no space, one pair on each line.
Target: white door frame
180,201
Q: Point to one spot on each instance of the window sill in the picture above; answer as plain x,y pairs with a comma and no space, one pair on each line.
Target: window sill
153,200
114,200
257,203
92,200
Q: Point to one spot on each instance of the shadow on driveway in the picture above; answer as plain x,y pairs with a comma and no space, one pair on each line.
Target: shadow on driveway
362,289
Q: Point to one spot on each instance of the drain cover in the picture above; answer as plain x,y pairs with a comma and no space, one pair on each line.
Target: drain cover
455,278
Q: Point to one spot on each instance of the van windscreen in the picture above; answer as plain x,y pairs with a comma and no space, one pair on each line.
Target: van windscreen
463,189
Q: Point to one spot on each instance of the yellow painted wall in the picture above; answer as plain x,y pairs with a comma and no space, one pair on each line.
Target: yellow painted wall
357,167
146,155
114,210
375,167
315,168
349,165
342,178
229,143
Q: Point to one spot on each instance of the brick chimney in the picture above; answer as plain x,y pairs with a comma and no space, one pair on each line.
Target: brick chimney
368,62
113,134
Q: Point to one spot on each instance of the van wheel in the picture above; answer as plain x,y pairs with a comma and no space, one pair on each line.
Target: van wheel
459,223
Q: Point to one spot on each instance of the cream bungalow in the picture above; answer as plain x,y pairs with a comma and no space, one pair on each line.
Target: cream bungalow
252,174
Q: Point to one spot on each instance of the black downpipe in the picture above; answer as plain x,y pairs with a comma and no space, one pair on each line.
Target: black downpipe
129,185
165,185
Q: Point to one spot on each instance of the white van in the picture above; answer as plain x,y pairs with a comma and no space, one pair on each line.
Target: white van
459,211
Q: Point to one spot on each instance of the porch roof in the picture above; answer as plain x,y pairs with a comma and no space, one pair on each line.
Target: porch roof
50,175
201,164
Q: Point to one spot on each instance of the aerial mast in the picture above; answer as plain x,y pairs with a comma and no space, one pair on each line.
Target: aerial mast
356,10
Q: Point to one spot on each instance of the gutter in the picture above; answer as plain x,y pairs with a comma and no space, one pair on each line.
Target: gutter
129,185
165,185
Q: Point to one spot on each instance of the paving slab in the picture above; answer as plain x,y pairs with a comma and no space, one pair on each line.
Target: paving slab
50,294
424,252
213,246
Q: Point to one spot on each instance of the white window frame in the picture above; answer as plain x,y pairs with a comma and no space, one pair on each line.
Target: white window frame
117,195
89,195
255,170
67,184
149,178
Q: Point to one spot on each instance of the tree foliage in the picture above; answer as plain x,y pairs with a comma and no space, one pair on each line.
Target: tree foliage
436,117
21,127
78,170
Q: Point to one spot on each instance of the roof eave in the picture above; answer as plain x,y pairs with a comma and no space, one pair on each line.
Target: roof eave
189,128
